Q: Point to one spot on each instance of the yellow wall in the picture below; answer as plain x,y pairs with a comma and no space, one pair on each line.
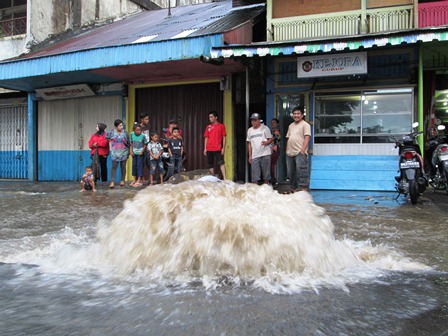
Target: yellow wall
229,123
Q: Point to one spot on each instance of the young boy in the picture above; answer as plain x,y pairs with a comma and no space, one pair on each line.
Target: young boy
155,151
88,180
137,150
176,150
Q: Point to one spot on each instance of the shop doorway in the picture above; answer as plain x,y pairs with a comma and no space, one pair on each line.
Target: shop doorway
190,106
14,141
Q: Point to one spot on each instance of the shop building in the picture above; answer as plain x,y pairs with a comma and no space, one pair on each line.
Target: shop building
157,62
365,71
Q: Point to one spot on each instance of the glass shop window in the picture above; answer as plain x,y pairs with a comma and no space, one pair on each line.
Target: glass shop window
371,116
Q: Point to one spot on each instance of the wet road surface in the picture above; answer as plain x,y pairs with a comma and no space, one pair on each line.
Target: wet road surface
45,225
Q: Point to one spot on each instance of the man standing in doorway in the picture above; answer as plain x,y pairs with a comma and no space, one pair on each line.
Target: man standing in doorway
259,138
215,142
298,138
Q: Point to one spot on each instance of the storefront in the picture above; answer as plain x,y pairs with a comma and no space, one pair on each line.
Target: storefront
356,114
65,123
13,136
131,66
363,94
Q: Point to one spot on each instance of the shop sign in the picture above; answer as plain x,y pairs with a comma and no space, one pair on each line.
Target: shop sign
65,92
332,65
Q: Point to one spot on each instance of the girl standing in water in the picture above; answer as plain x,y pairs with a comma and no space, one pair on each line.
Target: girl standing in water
119,147
138,148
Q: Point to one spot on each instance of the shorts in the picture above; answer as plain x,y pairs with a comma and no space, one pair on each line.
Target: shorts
87,186
214,156
153,164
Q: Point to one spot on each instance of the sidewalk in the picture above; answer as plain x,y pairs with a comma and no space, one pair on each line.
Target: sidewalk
438,197
354,197
380,198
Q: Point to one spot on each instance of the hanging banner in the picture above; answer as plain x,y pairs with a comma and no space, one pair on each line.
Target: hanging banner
64,92
332,65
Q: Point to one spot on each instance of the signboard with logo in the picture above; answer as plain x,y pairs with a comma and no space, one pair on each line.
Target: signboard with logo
64,92
332,65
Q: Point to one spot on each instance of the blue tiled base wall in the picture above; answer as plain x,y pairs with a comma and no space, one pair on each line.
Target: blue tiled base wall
375,173
66,165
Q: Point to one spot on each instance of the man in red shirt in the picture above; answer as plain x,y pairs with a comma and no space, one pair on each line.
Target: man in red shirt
215,142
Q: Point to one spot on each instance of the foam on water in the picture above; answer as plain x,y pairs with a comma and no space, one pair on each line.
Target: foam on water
214,234
220,230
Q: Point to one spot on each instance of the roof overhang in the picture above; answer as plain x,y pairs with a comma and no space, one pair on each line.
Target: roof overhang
324,45
164,60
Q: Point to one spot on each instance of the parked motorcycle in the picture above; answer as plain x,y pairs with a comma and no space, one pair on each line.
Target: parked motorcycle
412,180
165,159
436,151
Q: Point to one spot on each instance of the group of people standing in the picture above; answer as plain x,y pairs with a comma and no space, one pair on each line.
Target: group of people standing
142,145
263,146
101,144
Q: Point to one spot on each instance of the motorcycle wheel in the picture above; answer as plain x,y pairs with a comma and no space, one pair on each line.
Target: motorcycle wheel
445,175
435,182
413,191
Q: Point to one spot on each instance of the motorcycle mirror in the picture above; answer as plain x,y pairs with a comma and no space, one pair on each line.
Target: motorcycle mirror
441,127
414,125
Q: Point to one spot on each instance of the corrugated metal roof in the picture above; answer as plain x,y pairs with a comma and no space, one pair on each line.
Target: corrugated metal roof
132,49
233,19
156,25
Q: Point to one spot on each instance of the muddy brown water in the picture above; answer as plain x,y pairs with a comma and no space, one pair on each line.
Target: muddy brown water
62,254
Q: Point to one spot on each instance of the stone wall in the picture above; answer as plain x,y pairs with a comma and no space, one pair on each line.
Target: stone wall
61,15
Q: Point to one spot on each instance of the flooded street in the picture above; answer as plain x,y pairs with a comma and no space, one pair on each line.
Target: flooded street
219,259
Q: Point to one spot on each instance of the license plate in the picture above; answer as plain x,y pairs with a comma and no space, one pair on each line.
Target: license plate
409,164
443,157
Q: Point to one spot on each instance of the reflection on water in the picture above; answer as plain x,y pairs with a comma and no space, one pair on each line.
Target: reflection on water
211,258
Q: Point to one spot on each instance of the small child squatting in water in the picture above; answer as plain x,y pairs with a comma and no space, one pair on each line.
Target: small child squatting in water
87,180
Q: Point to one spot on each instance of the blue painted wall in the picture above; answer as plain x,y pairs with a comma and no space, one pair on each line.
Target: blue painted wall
72,169
348,172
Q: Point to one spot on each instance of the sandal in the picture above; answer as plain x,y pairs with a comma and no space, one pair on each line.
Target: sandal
121,183
112,185
137,185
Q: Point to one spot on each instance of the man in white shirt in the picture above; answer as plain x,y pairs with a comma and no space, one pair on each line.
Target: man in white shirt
259,138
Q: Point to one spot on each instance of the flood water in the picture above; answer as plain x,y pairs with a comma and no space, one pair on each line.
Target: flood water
219,259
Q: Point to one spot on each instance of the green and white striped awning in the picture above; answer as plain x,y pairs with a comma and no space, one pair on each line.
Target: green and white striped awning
331,45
